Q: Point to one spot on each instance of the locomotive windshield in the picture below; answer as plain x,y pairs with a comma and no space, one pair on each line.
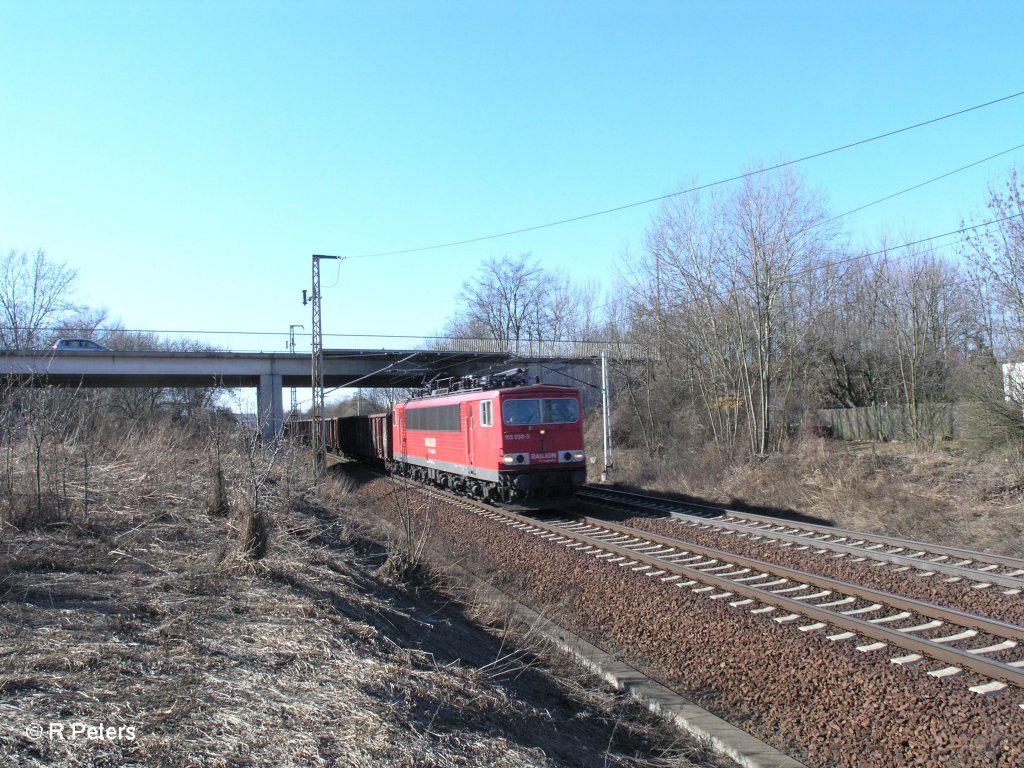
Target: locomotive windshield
555,410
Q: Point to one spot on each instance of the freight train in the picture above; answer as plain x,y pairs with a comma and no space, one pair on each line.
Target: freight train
495,438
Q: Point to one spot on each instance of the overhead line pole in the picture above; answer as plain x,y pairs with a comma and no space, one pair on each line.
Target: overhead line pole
291,348
319,433
606,418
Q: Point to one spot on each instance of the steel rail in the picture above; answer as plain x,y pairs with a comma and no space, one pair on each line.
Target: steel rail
963,659
973,574
996,670
894,558
995,627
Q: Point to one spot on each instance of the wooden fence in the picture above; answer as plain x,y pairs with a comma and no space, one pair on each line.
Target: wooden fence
935,421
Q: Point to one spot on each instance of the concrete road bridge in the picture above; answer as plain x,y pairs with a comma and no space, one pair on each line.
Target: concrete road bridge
270,372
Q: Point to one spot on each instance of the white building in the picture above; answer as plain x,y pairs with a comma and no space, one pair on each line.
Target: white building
1013,382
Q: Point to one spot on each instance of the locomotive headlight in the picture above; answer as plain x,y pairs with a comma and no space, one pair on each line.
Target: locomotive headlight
570,457
508,460
542,432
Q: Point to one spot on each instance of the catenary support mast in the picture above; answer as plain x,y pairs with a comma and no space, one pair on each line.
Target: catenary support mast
319,434
606,417
294,412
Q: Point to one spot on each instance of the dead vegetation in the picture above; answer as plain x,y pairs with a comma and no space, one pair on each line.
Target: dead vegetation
193,586
958,494
267,629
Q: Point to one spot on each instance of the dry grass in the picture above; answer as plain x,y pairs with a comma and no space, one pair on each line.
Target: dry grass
581,720
146,612
953,494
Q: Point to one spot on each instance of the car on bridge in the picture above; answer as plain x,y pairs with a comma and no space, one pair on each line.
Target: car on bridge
79,345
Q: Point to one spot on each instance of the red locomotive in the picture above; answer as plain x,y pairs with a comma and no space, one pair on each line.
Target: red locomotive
493,438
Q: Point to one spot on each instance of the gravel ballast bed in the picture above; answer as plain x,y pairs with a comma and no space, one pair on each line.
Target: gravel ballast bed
989,602
820,701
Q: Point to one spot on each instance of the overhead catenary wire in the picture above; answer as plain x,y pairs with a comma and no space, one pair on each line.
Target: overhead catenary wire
904,191
356,354
871,254
897,194
907,190
878,201
849,212
908,245
947,174
700,187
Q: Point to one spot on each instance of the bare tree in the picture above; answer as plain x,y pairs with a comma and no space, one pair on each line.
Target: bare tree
574,309
997,252
35,293
685,285
84,322
852,348
142,403
518,303
503,300
929,319
732,290
779,232
641,385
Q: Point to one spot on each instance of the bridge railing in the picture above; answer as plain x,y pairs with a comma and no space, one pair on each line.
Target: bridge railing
228,341
560,348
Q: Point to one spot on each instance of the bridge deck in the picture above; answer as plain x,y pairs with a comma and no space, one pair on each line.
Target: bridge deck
342,367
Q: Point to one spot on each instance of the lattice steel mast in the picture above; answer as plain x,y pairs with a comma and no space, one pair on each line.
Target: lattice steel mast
295,393
319,434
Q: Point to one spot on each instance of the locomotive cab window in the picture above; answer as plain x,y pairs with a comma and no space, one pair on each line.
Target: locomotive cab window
555,410
486,413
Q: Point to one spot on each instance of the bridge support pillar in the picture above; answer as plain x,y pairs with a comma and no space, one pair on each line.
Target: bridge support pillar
270,405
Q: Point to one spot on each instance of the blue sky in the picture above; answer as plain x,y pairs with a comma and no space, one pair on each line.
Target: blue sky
187,158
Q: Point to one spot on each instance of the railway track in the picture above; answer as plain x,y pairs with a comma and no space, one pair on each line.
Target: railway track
946,642
829,673
983,570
